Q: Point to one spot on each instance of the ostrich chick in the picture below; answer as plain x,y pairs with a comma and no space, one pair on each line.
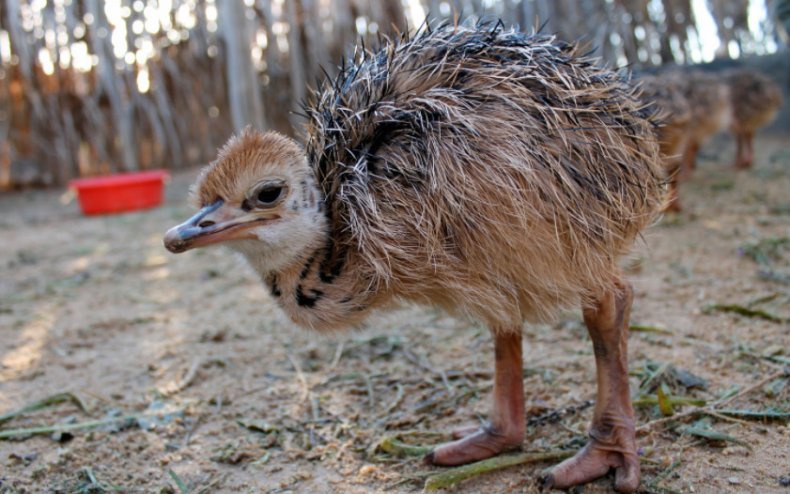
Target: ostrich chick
496,174
755,100
709,97
666,94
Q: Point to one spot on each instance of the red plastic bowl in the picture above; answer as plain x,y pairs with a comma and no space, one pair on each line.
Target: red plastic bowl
119,193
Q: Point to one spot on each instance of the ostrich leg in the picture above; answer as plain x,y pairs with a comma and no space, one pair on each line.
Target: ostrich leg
749,138
612,443
689,159
507,426
740,151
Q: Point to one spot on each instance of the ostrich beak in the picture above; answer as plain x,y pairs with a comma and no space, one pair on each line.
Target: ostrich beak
213,224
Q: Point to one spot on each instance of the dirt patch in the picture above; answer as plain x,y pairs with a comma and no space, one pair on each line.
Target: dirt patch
192,370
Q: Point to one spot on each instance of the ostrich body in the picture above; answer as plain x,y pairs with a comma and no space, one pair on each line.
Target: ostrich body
495,174
709,97
755,100
666,94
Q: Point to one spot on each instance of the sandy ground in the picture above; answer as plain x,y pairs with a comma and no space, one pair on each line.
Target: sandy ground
96,307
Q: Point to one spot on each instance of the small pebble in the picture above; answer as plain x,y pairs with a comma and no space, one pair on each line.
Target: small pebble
367,471
735,451
734,480
26,458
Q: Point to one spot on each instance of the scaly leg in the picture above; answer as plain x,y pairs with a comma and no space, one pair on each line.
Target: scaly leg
689,159
741,151
507,426
612,441
749,138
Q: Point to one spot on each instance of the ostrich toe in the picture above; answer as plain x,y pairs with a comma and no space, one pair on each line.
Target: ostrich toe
484,443
600,455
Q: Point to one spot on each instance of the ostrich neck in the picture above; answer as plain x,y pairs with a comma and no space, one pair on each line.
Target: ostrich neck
319,289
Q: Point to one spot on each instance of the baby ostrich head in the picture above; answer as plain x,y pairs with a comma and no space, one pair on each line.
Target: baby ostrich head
259,198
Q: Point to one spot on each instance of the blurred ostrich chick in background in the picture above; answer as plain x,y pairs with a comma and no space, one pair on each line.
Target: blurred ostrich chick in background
709,98
755,100
667,94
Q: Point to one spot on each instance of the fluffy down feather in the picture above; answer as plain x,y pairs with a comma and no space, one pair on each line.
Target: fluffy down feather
489,171
755,97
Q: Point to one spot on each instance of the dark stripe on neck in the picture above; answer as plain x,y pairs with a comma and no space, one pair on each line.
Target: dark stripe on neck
332,263
308,301
273,283
306,268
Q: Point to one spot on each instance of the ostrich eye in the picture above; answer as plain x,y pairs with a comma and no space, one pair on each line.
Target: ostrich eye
269,194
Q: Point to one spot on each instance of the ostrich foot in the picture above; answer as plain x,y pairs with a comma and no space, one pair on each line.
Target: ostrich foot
596,459
483,443
742,165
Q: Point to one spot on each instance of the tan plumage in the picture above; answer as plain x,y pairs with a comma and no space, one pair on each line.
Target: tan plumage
495,174
755,100
709,97
667,93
